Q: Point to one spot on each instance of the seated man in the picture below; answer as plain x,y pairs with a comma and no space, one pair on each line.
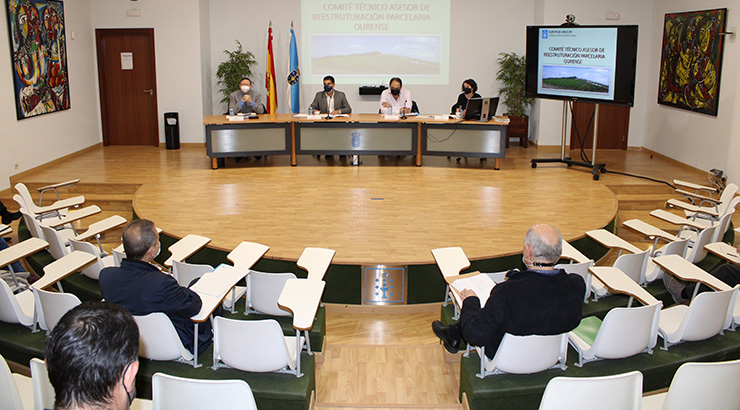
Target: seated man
246,99
682,291
142,288
538,301
92,357
330,101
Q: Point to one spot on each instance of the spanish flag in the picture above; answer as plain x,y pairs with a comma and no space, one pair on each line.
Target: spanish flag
270,76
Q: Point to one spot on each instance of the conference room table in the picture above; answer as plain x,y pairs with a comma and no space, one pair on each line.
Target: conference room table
353,134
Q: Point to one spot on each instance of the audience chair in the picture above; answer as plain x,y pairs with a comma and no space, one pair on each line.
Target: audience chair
57,247
118,256
720,226
14,388
179,393
700,386
316,261
581,269
16,308
52,306
524,355
697,253
654,272
34,227
451,261
263,291
185,273
93,271
254,346
617,392
712,212
53,187
706,316
624,332
158,339
57,209
633,265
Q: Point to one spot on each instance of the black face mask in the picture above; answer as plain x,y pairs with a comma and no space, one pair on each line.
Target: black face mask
328,88
395,91
467,90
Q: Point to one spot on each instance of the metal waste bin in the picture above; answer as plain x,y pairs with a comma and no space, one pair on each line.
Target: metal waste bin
172,130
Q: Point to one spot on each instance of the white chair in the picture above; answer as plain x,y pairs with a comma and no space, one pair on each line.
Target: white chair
57,209
179,393
13,387
653,271
697,252
720,208
624,332
93,271
263,291
705,317
451,261
617,392
254,346
53,305
118,256
721,226
524,354
185,273
158,339
16,308
57,246
700,386
633,265
581,269
316,261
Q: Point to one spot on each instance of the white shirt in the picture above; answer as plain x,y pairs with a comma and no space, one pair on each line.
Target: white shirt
330,102
404,100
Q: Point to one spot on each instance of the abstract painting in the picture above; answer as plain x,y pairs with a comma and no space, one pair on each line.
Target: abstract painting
691,60
38,53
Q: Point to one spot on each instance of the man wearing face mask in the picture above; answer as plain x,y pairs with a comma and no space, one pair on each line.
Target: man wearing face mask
139,286
330,100
541,300
246,99
395,97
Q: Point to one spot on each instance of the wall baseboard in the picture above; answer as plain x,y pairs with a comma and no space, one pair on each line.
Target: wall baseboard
669,159
14,179
185,144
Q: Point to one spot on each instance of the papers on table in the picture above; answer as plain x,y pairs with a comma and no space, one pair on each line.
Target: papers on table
481,284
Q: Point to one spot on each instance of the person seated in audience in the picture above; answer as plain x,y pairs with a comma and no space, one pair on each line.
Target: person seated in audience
246,99
139,286
330,101
469,90
682,291
541,300
396,97
92,357
7,216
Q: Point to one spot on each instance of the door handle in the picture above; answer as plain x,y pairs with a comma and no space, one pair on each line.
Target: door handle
150,91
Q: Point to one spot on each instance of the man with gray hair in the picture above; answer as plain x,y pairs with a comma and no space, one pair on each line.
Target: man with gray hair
541,300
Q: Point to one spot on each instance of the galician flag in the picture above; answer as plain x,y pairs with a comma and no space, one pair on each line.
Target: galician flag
270,76
294,75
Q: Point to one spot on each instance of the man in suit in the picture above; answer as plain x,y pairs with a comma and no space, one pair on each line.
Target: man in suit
139,286
330,101
246,99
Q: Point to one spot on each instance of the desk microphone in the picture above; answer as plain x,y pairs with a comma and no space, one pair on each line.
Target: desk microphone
328,116
403,109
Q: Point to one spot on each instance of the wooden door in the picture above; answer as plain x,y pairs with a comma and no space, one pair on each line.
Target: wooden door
128,88
614,121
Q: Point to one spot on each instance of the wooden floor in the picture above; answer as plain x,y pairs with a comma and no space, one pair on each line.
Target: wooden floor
378,359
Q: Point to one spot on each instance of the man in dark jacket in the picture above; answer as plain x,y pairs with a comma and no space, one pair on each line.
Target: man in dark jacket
539,301
142,288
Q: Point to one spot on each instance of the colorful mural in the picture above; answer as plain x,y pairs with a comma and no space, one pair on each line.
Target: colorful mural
691,60
39,56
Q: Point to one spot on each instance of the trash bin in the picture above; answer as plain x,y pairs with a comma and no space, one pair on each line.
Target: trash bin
172,130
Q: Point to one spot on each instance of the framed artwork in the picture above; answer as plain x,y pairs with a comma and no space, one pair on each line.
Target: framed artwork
38,54
691,60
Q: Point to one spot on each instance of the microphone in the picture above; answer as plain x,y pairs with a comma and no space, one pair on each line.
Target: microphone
403,110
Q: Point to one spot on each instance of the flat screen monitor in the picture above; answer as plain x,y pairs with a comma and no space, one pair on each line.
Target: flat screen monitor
481,109
590,63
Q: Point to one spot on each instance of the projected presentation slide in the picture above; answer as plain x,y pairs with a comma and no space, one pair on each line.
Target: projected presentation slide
577,62
371,41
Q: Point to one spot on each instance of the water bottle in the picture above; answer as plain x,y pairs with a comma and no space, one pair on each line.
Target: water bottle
310,111
458,113
390,110
231,111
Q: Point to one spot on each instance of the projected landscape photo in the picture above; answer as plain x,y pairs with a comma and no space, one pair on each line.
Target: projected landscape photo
376,55
585,79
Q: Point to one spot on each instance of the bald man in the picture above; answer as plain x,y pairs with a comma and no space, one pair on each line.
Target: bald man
541,300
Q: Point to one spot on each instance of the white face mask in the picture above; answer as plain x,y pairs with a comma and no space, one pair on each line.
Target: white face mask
245,89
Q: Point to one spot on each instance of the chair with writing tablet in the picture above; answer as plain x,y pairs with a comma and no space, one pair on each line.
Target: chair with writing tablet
14,388
712,212
581,269
35,228
53,305
158,339
722,225
179,393
93,271
616,392
263,292
700,386
524,355
57,209
633,265
654,272
316,261
185,273
697,252
16,308
624,332
254,346
451,261
707,315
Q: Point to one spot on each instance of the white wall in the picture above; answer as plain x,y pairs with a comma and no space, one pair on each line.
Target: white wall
700,140
177,41
38,140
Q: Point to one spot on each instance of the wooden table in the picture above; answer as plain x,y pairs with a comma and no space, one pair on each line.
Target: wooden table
573,254
20,251
651,232
355,134
687,271
212,289
302,297
610,240
618,282
185,247
724,251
